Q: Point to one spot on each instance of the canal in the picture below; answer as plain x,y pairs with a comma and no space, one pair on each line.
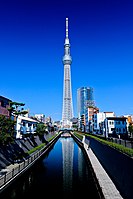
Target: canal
63,172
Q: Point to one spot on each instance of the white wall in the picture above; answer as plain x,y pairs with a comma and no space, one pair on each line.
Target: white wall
21,129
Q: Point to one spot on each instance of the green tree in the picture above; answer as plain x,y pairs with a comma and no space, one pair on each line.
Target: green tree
6,129
41,130
14,109
130,129
75,126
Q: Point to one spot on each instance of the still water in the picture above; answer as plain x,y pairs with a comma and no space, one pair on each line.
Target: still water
63,172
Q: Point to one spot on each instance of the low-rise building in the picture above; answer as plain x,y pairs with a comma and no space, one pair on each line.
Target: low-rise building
24,126
98,121
89,125
4,105
115,126
40,117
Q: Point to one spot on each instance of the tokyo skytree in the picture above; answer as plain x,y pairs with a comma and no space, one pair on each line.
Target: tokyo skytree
67,110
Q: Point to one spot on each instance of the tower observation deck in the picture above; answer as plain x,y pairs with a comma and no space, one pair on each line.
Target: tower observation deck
67,110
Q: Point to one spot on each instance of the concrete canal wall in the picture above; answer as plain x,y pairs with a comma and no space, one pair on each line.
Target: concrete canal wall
105,185
18,150
17,169
118,166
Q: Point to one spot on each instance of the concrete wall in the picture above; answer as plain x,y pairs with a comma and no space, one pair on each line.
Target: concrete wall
118,166
17,149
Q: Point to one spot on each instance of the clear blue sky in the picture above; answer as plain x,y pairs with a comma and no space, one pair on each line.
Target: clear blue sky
32,34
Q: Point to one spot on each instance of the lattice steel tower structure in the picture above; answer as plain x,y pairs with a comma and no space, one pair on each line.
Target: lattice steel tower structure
67,110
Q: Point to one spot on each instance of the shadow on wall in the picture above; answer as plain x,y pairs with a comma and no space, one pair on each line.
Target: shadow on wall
10,153
17,151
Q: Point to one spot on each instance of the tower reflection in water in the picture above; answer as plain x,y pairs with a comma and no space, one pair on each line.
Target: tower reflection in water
67,153
75,170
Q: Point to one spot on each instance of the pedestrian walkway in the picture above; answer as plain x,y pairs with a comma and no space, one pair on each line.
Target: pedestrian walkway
8,169
108,187
12,166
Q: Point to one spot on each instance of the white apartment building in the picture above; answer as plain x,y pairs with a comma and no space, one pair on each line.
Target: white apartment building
115,126
25,125
98,121
40,117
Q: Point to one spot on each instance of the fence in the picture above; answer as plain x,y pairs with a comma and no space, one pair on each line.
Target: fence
126,143
16,171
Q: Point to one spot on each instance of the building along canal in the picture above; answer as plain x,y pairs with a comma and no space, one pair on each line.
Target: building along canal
64,171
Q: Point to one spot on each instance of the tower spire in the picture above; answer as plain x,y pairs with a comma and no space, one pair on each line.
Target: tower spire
66,27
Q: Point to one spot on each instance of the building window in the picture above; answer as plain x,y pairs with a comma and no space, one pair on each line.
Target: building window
110,123
29,124
112,129
3,104
34,125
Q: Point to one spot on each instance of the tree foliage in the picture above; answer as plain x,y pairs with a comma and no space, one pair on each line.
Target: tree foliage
6,129
14,109
130,129
41,130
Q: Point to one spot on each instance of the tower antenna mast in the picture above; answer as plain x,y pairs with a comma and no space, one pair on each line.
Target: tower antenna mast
66,27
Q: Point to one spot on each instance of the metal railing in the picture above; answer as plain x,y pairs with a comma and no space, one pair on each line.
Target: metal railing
21,167
9,175
126,143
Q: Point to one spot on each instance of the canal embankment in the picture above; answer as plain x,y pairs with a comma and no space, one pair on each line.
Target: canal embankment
19,149
118,165
107,186
103,178
13,170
